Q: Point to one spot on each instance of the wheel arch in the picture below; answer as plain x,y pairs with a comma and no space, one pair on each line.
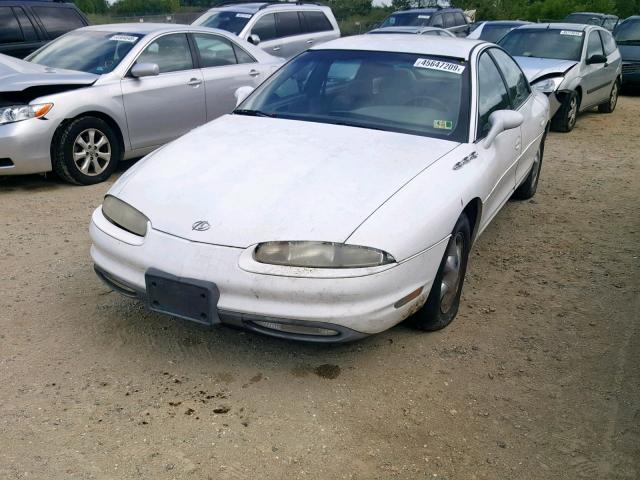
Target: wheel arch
91,113
473,211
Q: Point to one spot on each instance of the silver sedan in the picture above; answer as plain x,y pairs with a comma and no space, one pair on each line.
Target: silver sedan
106,93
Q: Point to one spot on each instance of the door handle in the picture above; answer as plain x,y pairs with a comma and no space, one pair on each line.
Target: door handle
276,49
194,82
309,42
254,73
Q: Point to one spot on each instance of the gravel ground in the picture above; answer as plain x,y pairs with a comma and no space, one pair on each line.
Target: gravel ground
536,379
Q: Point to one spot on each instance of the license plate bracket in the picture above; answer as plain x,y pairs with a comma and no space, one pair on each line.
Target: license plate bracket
187,298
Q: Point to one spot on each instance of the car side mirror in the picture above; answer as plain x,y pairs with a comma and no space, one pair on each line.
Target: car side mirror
500,121
254,39
242,93
596,59
140,70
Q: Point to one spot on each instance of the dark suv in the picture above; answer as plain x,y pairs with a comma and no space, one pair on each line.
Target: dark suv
27,25
452,19
588,18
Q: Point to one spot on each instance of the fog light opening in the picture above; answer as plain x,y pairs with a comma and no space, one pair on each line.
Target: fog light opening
296,329
412,296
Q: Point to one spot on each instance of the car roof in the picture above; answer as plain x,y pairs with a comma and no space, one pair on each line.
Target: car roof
593,14
558,26
506,22
444,47
410,29
254,7
145,28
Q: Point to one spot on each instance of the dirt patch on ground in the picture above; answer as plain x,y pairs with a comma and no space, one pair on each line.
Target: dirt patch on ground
536,379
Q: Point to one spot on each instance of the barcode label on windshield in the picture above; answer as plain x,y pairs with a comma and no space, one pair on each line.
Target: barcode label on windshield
439,65
243,15
573,33
124,38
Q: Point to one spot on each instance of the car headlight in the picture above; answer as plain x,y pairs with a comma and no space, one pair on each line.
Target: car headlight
123,215
548,85
320,255
17,113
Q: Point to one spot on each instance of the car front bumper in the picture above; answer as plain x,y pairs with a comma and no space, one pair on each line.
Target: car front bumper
25,147
352,306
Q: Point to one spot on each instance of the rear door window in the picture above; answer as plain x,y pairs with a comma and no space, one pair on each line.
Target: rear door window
214,51
10,31
288,24
28,30
265,27
459,19
317,22
57,20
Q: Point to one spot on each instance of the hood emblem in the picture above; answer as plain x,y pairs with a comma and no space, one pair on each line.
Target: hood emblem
201,226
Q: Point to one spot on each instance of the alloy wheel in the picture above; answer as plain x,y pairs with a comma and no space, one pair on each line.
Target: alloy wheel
573,111
91,152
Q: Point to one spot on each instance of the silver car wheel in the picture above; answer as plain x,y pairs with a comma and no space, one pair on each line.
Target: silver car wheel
614,96
91,152
451,273
573,111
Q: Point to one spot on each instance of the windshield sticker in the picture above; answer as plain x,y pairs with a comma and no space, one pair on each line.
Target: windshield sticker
443,124
573,33
438,65
243,15
124,38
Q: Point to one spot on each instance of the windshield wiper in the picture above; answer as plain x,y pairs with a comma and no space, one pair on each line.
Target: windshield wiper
254,113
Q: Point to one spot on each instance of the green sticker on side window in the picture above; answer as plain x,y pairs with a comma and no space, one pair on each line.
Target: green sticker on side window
443,124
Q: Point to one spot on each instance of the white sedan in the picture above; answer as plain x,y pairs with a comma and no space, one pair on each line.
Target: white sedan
340,198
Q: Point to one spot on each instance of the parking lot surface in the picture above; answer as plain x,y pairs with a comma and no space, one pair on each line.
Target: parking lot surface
537,378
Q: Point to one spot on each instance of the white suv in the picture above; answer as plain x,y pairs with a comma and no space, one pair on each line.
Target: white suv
281,29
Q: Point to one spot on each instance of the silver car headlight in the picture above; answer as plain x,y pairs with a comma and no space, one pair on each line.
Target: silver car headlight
123,215
320,255
548,85
17,113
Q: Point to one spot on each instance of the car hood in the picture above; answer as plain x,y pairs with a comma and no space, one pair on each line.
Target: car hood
630,53
261,179
535,68
17,75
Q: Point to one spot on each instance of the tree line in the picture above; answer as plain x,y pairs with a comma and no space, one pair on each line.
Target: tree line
363,9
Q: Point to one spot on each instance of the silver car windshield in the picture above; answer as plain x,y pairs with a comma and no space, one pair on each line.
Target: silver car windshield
232,22
399,92
86,51
544,43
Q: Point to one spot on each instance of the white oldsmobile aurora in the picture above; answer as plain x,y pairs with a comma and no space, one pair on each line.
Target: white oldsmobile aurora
341,197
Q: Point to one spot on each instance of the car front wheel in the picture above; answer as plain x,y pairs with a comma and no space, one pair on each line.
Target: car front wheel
565,118
86,151
443,301
610,105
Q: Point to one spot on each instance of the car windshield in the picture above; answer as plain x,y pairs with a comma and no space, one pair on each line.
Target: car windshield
493,33
407,20
86,51
398,92
544,43
584,18
232,22
628,33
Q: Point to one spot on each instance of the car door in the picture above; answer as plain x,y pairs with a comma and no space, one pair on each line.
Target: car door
318,27
500,159
534,112
163,107
595,75
225,67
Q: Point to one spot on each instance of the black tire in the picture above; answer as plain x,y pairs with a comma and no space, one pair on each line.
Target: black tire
565,118
65,145
432,316
528,187
610,105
